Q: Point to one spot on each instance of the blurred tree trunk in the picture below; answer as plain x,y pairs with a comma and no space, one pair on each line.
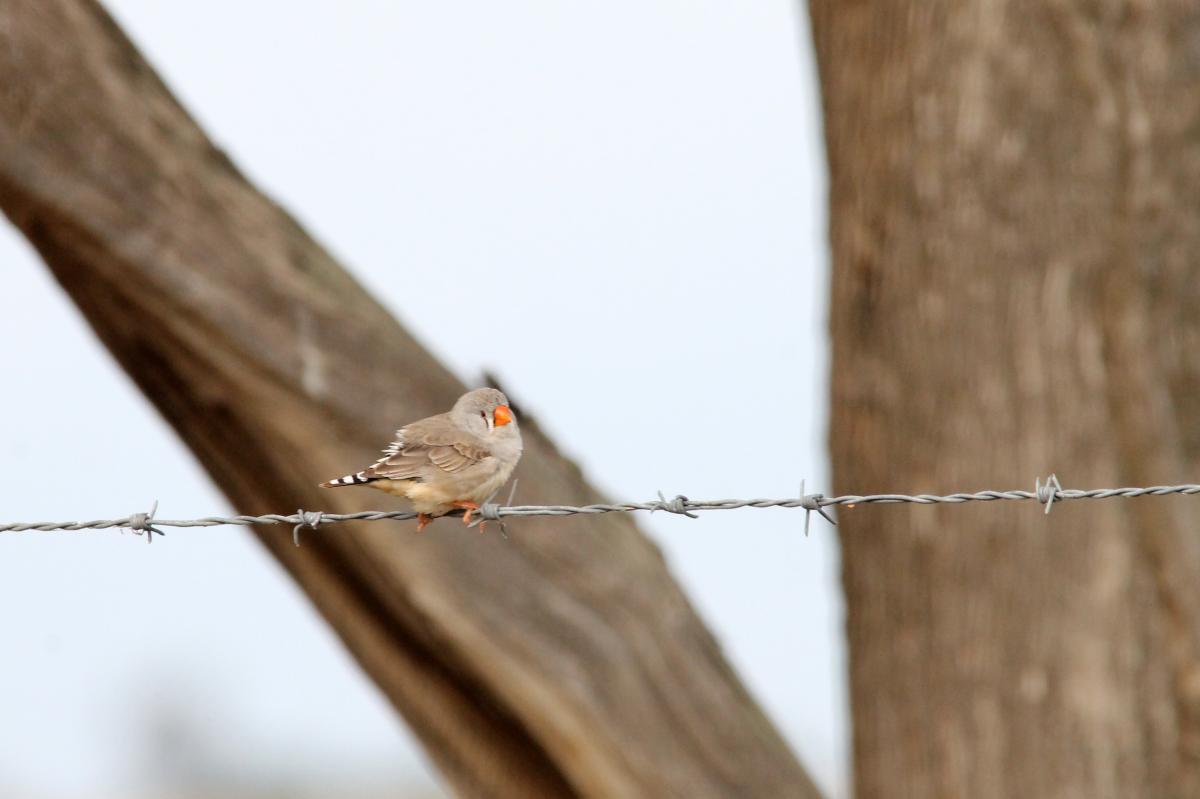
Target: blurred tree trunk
1016,233
562,662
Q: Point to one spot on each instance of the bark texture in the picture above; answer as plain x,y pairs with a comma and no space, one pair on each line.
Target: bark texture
1016,233
562,662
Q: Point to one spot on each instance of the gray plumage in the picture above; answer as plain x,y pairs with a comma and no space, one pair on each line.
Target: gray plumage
454,459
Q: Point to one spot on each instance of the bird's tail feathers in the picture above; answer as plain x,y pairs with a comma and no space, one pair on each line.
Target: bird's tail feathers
357,478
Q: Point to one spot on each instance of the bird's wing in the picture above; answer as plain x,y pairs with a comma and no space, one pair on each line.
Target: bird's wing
434,442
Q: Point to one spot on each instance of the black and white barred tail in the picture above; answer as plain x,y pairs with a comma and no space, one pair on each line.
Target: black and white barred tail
348,480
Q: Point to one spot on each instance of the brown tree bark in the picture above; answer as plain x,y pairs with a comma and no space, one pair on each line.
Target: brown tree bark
1015,232
562,662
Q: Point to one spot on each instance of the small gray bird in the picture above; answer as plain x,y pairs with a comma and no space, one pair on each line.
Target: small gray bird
453,460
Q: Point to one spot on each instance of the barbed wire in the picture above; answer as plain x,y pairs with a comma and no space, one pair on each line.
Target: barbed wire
1046,494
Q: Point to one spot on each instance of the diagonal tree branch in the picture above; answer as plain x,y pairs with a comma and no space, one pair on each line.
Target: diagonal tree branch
553,664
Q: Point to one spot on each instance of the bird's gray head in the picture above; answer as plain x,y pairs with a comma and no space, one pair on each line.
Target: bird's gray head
486,410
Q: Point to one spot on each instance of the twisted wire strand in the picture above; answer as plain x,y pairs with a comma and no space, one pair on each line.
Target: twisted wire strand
1045,495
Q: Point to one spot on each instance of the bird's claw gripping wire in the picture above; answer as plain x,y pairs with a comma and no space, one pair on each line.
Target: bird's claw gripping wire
140,523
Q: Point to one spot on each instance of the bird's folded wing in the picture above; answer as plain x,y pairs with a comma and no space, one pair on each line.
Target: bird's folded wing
434,442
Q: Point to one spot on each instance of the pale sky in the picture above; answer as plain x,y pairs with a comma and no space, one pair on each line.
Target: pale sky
638,186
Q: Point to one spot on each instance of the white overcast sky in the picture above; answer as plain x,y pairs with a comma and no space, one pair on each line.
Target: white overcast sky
639,188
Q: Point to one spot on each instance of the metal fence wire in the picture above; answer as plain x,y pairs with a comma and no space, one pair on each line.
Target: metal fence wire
1046,494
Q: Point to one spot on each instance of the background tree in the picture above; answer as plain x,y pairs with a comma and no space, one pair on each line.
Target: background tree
550,664
1015,235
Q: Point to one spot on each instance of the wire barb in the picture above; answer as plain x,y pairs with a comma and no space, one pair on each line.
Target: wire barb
140,523
308,518
1046,494
490,511
679,504
810,503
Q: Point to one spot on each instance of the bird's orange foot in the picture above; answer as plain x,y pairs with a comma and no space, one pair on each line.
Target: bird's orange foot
423,521
468,506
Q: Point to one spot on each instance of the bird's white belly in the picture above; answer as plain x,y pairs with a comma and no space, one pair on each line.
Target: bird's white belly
435,497
490,486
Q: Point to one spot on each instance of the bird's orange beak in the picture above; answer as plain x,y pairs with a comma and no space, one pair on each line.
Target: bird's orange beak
503,415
